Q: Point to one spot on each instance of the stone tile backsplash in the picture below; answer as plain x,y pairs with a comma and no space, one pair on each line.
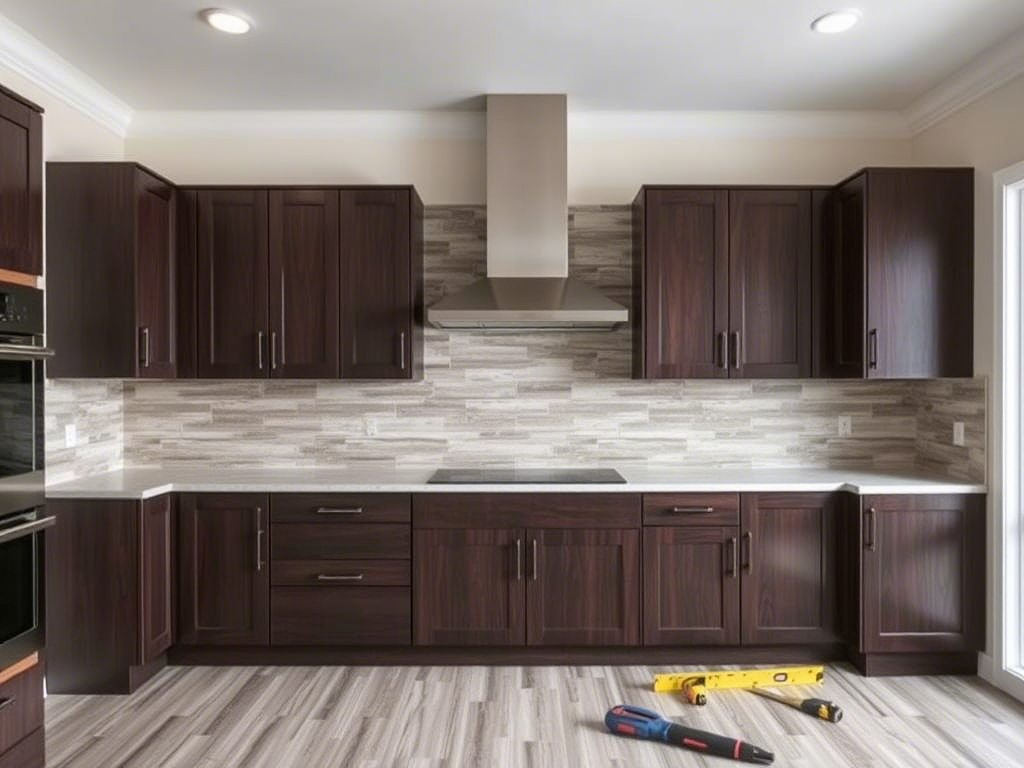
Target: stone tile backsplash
519,400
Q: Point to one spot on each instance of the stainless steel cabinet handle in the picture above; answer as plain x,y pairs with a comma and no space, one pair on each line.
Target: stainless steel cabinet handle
273,350
737,350
5,703
339,511
340,577
259,539
723,350
401,350
731,567
748,548
870,530
873,348
692,510
144,347
259,350
519,559
534,545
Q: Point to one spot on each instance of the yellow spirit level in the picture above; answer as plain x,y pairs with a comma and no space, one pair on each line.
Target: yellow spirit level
696,684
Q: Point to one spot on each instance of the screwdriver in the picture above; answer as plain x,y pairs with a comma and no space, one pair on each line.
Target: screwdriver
826,710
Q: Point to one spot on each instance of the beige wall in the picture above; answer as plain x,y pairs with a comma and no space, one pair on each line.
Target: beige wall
67,133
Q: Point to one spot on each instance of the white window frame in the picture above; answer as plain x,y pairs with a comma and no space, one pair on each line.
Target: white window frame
1005,668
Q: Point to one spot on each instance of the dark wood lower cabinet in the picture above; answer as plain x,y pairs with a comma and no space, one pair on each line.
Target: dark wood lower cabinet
22,710
158,547
224,578
331,615
691,586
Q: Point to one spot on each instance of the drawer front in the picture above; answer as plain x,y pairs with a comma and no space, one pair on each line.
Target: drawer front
21,706
526,510
340,573
30,752
692,509
312,541
345,507
340,616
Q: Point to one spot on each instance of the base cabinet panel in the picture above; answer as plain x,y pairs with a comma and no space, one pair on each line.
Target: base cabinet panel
340,616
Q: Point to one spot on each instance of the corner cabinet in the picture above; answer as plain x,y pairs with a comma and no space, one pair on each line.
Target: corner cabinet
112,278
722,282
21,180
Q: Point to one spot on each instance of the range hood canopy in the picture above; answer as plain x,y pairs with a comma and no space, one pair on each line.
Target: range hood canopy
527,285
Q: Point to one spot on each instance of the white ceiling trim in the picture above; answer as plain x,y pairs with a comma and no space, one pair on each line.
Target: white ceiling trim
28,57
991,69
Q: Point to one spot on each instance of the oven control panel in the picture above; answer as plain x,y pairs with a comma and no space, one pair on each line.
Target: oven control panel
21,309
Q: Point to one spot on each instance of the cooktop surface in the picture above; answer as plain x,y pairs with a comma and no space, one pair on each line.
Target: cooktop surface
526,476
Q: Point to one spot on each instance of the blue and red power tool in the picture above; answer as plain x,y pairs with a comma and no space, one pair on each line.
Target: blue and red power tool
626,720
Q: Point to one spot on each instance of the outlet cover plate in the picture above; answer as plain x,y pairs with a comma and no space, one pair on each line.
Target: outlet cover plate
845,426
958,433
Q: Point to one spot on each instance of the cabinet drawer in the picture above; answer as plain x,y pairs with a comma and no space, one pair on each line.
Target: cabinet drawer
692,509
344,573
334,507
338,541
526,510
340,616
30,752
21,706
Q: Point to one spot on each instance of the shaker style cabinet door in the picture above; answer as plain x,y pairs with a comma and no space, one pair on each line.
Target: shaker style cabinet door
155,285
21,186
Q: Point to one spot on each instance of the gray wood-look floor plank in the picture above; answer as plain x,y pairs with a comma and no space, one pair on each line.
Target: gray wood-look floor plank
512,717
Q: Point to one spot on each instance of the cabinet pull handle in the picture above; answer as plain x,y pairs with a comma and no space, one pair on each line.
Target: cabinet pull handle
259,540
259,350
748,549
339,511
723,350
6,702
533,543
692,510
341,577
144,347
519,559
401,350
873,348
870,530
737,350
731,569
273,350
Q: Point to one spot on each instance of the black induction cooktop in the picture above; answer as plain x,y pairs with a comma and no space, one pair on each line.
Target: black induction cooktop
525,476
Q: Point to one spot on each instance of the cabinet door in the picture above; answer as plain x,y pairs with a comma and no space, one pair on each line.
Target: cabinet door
583,586
21,187
923,561
376,284
232,284
770,283
788,568
468,587
686,301
920,281
156,567
692,588
155,294
304,283
224,579
843,313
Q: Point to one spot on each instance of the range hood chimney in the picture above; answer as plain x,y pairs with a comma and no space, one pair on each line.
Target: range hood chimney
527,287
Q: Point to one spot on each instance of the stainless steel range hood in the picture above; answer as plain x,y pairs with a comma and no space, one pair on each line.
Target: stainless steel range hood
527,287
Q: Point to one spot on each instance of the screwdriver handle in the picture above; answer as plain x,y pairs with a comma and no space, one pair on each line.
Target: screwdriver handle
826,710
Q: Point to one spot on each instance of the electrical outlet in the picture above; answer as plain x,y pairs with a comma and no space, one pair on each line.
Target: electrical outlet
845,426
70,436
371,427
958,433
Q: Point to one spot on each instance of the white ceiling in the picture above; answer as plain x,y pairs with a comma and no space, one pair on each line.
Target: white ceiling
430,54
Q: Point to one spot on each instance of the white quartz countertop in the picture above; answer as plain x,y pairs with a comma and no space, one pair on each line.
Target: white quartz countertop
145,483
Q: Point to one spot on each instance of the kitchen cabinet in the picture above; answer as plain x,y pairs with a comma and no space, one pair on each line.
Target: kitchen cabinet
110,593
723,282
900,273
21,180
21,718
919,564
223,575
111,280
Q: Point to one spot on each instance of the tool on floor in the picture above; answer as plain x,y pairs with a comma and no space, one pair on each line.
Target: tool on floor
826,710
695,685
626,720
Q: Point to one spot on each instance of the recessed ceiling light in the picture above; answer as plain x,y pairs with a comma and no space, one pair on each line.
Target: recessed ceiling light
225,21
835,22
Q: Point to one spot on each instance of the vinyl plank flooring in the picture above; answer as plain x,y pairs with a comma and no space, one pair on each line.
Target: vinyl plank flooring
512,717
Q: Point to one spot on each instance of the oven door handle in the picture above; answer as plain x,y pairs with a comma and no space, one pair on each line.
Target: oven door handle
32,353
26,529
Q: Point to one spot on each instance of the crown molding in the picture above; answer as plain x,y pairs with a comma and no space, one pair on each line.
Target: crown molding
25,55
986,72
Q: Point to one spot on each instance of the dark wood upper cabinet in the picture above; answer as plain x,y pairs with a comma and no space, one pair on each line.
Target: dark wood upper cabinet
691,585
112,276
901,274
770,322
468,587
304,299
21,184
224,579
723,283
231,286
788,566
381,284
921,565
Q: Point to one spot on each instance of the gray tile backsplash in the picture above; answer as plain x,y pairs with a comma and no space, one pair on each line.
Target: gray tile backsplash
518,400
